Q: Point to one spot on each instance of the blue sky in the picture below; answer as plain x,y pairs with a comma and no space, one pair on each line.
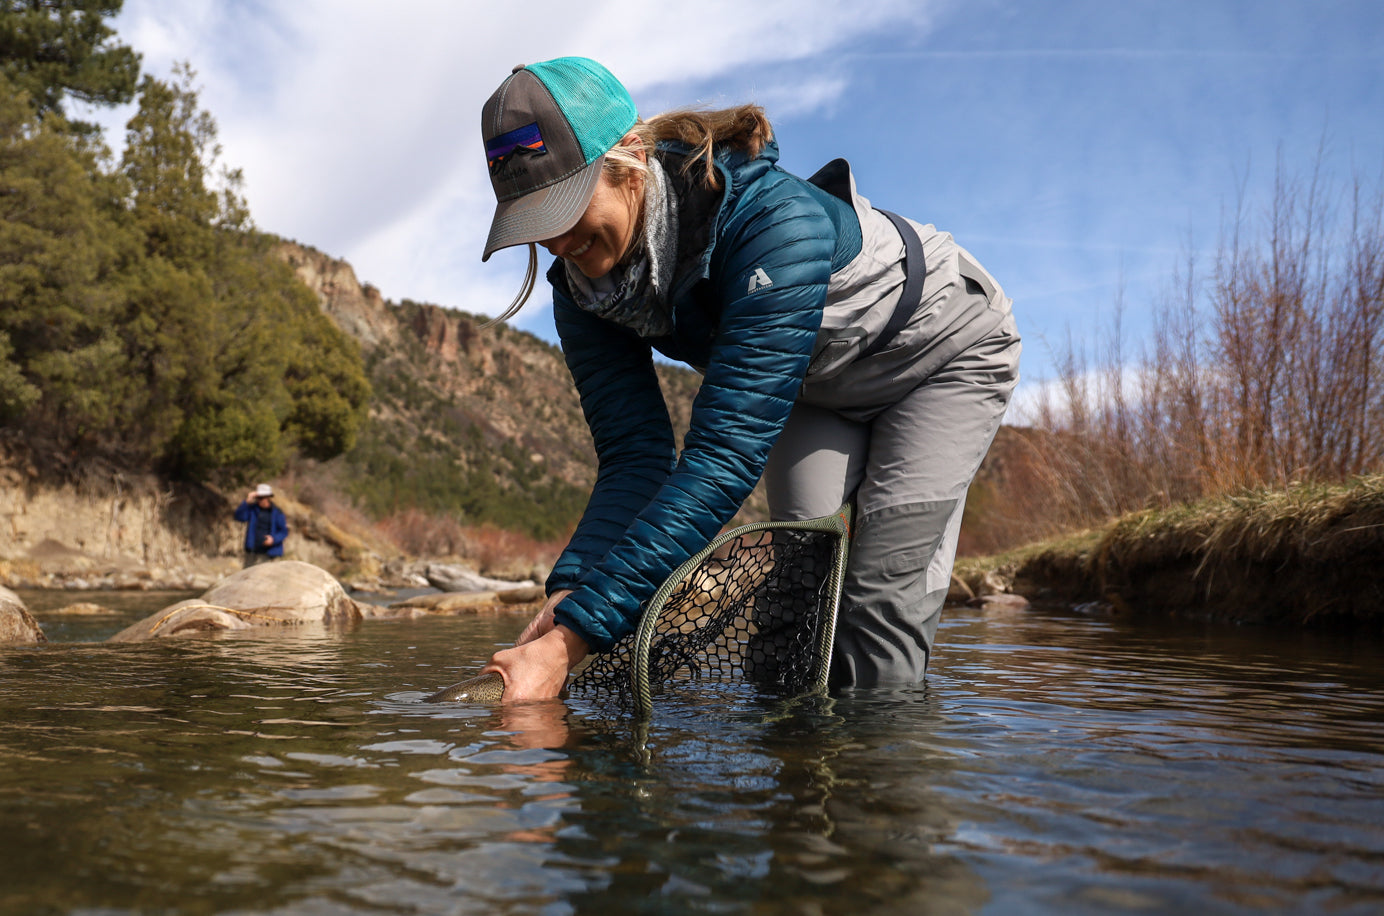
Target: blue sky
1081,149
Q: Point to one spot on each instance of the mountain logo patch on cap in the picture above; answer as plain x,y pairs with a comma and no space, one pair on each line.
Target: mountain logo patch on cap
522,141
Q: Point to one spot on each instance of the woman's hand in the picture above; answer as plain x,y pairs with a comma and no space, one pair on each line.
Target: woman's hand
537,670
543,621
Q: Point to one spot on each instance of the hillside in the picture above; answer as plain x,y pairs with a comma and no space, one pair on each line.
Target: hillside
479,423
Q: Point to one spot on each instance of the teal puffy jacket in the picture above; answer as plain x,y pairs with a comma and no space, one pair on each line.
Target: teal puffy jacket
752,340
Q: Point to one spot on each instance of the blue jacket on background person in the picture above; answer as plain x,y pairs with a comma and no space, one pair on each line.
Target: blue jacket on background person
276,529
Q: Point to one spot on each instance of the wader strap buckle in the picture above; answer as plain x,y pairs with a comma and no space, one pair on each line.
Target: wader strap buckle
914,272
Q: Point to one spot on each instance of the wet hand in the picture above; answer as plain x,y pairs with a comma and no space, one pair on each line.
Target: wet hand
537,670
543,621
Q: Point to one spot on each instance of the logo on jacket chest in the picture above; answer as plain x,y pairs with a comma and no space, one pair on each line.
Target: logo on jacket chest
759,280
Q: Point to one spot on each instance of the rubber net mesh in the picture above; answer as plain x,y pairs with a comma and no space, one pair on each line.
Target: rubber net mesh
759,610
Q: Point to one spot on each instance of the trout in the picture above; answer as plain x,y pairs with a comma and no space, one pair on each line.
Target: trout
484,689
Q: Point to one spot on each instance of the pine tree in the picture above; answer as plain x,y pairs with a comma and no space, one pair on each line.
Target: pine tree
60,362
241,364
53,48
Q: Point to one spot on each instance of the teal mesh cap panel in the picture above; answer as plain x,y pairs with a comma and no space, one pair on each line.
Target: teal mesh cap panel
596,104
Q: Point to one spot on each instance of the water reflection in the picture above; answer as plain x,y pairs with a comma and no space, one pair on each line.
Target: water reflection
1174,765
793,807
1054,763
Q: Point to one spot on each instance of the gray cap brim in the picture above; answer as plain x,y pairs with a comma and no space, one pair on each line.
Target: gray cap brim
545,213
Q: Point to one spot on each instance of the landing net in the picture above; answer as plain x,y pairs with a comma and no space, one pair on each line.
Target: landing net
757,606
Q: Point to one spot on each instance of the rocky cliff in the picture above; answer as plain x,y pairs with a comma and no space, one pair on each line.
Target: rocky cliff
357,309
481,422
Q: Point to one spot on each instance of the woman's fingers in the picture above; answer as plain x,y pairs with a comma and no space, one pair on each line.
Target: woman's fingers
543,620
540,624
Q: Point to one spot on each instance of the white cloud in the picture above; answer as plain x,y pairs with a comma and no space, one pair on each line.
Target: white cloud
356,122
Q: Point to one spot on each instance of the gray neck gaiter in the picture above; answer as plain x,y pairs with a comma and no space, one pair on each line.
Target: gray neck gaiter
634,295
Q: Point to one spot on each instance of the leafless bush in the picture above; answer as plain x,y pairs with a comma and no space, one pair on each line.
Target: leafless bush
494,551
497,551
423,534
1271,372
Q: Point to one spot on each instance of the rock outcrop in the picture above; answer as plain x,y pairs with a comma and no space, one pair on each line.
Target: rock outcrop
16,626
496,397
279,594
96,526
357,309
91,526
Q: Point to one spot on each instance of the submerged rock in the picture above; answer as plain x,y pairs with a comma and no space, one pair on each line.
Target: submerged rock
450,578
1000,602
282,593
16,626
82,609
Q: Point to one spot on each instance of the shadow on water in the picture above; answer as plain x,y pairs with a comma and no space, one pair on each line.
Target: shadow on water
1054,763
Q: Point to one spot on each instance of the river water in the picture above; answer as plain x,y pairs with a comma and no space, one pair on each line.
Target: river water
1054,763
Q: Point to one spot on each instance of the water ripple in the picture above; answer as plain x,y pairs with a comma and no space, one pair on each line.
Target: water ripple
1053,763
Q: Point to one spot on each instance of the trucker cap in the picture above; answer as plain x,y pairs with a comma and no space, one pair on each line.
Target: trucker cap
547,130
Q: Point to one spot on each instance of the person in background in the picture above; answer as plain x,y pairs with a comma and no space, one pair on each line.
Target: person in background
847,353
266,527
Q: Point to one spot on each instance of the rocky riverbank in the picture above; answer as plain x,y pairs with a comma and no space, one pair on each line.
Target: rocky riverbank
1307,556
274,597
85,525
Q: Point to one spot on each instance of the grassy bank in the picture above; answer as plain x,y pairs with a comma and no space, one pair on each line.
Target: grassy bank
1310,554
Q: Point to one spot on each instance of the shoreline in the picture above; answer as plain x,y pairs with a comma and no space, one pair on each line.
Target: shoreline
1307,556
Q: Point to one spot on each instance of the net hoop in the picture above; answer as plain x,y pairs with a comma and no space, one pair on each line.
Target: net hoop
838,524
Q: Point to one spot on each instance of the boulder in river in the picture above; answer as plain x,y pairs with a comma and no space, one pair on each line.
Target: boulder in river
282,593
16,626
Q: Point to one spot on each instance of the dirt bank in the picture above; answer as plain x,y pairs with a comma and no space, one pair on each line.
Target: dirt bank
1307,556
87,524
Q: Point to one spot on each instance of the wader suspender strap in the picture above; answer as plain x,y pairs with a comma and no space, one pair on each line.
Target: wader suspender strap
914,271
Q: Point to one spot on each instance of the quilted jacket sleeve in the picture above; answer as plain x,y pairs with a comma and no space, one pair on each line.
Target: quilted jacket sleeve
770,268
629,424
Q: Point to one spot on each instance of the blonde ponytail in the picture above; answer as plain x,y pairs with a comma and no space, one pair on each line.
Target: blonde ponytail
744,127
